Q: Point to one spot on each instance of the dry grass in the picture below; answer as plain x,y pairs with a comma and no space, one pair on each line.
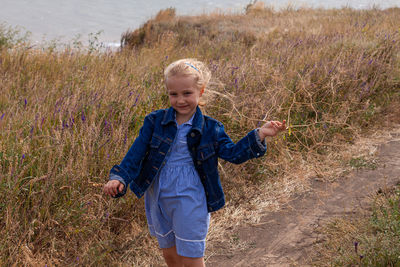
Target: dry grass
68,116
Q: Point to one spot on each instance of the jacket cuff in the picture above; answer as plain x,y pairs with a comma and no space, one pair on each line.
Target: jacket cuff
260,143
116,177
256,146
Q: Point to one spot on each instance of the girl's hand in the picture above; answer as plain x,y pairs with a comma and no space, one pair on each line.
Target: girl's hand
112,187
271,128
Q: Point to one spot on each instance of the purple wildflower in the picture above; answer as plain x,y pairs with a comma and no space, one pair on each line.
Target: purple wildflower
26,102
23,156
356,247
32,130
166,57
83,116
2,116
125,139
325,126
137,98
41,123
130,93
369,63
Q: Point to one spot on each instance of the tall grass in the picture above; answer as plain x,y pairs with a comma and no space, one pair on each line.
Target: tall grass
68,116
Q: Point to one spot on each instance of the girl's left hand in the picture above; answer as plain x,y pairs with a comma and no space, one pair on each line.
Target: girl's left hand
271,128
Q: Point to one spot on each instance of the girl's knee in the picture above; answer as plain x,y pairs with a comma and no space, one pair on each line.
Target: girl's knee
171,257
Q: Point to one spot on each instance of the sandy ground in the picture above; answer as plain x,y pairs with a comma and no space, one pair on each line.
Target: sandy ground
286,237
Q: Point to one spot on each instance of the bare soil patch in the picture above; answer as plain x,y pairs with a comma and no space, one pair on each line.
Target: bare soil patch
286,237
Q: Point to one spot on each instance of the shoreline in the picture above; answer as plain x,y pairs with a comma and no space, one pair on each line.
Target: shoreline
110,41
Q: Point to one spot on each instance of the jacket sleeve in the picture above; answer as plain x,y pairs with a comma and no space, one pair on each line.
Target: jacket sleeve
130,166
246,148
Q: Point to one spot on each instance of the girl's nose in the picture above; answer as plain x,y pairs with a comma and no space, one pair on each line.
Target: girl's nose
181,100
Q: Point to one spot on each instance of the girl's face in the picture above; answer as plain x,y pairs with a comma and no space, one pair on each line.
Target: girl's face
184,96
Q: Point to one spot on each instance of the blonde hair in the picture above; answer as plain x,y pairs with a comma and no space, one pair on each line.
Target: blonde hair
189,67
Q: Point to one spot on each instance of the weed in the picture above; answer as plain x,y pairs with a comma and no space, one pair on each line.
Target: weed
362,162
11,37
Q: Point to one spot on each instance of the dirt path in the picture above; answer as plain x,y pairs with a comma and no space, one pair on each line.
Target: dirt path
286,237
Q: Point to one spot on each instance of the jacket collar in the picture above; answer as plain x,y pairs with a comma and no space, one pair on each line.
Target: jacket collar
197,123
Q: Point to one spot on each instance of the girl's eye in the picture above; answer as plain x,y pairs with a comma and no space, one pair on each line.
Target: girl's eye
188,93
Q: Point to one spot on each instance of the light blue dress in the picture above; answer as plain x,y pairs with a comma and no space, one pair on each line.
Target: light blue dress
176,206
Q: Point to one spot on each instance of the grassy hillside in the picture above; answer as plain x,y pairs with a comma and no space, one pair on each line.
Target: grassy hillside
68,116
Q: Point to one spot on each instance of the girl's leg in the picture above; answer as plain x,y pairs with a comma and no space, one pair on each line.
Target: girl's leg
174,260
193,262
171,257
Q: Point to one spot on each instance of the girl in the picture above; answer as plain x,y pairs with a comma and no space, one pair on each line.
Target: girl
174,164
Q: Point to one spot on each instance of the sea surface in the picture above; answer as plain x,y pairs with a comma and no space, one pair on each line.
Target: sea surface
65,21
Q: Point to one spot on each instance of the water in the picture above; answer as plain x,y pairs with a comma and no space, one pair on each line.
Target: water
66,20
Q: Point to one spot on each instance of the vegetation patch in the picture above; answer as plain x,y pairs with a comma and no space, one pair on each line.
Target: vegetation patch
371,240
362,162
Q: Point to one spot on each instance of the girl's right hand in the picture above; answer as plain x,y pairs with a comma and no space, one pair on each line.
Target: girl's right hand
113,187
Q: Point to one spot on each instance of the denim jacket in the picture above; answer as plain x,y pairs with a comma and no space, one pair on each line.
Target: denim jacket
206,142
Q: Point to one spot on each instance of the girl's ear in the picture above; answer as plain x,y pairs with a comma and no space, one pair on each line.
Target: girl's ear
202,90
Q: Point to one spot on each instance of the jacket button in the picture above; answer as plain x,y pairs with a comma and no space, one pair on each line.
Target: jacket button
198,162
192,134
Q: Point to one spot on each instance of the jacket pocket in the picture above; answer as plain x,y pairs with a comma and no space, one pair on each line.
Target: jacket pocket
155,141
154,147
205,152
